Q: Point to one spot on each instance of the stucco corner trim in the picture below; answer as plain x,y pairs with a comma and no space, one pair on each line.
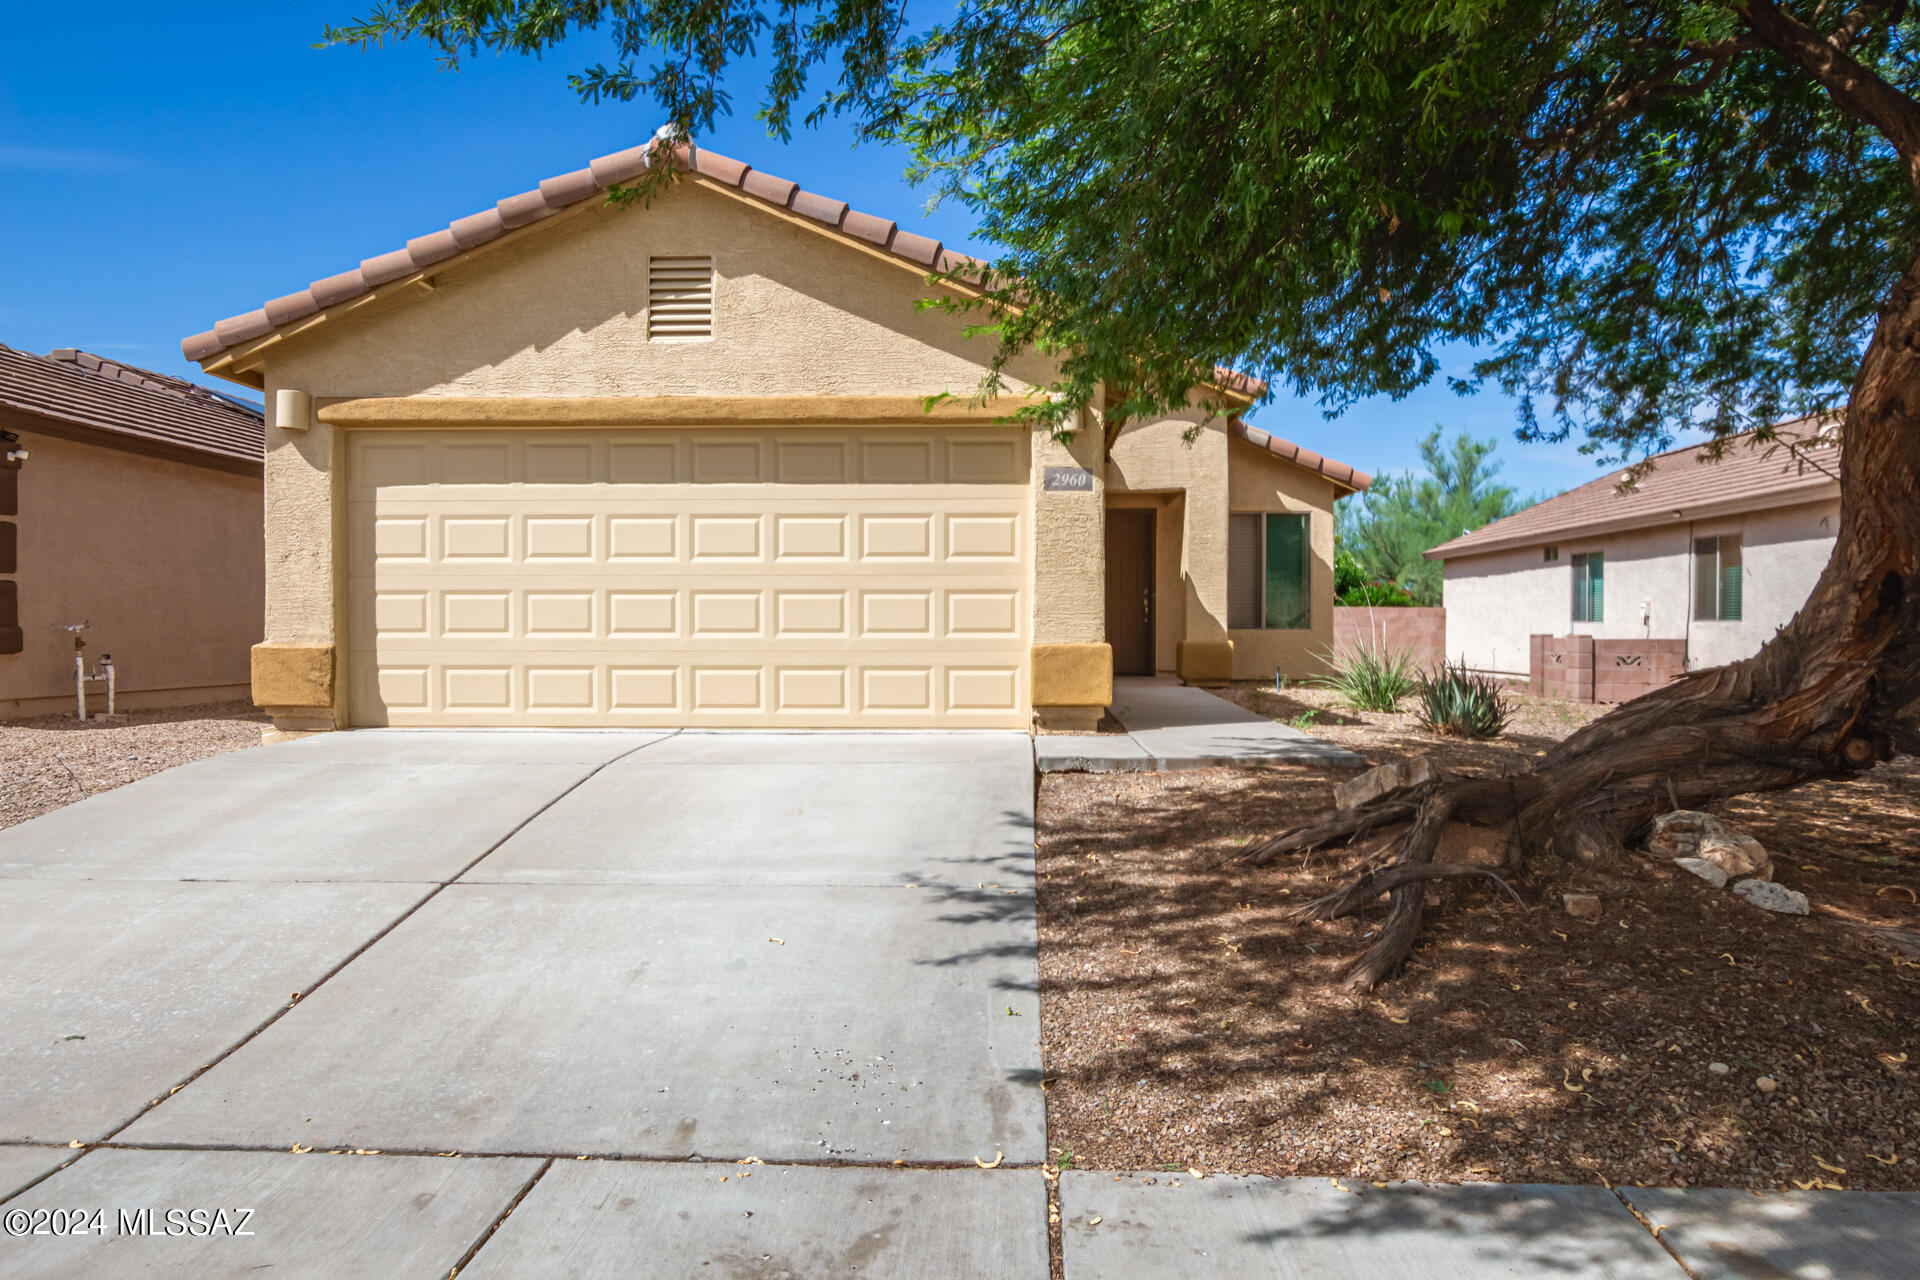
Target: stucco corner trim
1205,661
1072,675
292,675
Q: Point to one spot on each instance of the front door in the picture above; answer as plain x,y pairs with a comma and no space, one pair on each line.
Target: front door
1130,536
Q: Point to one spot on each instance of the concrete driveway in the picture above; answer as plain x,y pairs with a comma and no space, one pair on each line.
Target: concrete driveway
373,990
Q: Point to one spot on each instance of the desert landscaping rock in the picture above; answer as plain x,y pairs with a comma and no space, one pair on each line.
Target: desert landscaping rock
1711,872
1381,779
1581,906
1769,896
1688,833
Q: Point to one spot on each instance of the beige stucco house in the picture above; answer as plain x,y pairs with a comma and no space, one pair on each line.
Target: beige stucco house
129,501
568,462
1717,555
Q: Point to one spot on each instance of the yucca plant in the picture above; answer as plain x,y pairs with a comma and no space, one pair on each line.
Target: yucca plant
1463,704
1369,676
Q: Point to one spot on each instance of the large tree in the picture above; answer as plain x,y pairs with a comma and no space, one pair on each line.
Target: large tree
1645,214
1388,528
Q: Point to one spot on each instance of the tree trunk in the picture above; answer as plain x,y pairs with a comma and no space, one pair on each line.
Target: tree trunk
1834,693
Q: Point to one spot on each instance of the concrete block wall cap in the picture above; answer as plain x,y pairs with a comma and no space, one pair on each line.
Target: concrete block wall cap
429,249
477,228
243,328
388,266
819,207
291,306
621,166
916,248
564,189
711,164
348,284
766,187
518,211
865,226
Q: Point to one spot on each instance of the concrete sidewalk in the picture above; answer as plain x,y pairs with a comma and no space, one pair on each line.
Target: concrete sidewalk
1160,1226
1174,726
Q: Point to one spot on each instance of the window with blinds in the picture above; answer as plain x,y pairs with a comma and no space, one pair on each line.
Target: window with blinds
1269,572
679,299
1716,578
1590,587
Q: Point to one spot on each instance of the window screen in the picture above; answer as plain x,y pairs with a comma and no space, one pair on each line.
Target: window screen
1243,572
1589,587
1289,605
1716,578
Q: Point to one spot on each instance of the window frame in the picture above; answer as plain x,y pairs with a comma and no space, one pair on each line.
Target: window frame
1580,562
1715,610
1260,547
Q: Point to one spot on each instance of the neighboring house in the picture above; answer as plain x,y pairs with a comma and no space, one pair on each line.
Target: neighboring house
568,462
136,509
1715,555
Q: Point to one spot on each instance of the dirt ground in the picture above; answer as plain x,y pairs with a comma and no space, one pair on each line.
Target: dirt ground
50,761
1188,1023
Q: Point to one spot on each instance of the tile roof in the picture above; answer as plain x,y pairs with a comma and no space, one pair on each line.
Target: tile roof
557,193
80,388
1683,484
1338,472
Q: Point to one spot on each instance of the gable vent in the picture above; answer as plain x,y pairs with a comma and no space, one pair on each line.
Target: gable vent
679,298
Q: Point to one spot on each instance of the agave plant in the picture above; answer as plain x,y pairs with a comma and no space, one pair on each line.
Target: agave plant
1368,676
1463,704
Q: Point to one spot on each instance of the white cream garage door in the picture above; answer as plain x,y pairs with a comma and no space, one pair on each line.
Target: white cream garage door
810,577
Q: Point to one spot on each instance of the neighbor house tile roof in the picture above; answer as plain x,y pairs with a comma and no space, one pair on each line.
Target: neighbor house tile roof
557,193
110,399
1683,484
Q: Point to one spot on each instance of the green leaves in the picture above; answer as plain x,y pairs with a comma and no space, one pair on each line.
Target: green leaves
1641,215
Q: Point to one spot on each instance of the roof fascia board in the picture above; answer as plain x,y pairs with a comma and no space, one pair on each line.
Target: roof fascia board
17,419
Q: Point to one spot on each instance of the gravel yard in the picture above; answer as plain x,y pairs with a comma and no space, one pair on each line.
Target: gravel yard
1683,1037
50,761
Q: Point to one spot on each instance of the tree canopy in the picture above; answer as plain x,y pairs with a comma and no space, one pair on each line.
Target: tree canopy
1643,214
1386,529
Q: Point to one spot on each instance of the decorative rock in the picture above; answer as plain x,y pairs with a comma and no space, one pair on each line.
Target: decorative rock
1718,1068
1583,906
1766,1084
1769,896
1688,833
1381,779
1708,871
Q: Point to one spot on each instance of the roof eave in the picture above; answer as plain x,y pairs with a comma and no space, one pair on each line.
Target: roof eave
1814,492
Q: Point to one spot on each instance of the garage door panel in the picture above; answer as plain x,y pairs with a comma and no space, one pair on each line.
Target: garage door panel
803,577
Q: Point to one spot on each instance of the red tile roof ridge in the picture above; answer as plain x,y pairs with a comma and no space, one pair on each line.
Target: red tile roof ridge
1749,473
1338,472
556,193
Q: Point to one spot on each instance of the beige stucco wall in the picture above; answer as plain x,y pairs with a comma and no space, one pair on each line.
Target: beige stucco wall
1496,600
1262,482
1156,457
162,558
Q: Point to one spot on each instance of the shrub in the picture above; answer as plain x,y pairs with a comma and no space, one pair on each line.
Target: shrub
1369,676
1377,594
1463,704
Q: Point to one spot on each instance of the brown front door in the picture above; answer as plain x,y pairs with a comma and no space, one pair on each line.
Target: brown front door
1130,590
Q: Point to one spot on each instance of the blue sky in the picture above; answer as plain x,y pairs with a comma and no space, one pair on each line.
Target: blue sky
162,167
